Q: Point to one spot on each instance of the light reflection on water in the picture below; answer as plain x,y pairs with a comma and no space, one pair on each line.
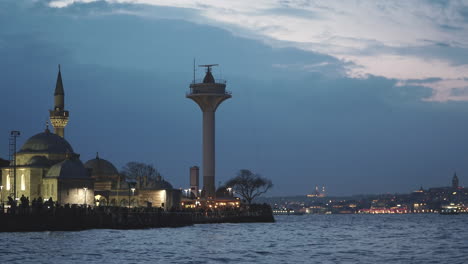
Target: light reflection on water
292,239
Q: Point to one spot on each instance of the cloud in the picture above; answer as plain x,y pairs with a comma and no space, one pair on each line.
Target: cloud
382,38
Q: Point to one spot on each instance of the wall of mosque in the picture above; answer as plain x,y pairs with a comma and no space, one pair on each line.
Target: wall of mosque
49,188
75,191
165,199
25,179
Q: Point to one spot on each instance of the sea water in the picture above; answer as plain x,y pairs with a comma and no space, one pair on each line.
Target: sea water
412,238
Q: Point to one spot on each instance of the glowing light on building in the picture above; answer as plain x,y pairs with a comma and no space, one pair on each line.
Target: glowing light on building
23,183
8,184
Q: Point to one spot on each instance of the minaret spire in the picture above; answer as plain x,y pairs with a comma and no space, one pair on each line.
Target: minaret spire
59,85
59,116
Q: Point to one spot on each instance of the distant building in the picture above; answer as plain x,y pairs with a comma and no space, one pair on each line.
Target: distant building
113,189
317,192
455,181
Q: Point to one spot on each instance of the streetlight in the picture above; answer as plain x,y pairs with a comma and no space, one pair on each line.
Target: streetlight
131,187
85,192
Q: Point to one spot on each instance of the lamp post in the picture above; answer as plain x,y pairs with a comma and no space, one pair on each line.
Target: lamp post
133,191
1,194
85,192
131,187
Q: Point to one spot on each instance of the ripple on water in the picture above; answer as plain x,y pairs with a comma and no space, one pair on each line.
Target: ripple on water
303,239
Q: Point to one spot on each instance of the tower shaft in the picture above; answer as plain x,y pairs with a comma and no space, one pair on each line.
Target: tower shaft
209,153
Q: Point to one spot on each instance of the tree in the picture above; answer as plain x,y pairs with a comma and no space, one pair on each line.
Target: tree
249,185
137,171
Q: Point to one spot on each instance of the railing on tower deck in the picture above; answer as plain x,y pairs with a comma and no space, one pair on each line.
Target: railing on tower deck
193,91
197,81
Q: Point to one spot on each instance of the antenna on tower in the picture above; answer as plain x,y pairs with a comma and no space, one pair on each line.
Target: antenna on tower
194,70
208,66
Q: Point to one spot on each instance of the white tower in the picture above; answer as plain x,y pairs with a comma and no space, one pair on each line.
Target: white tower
208,94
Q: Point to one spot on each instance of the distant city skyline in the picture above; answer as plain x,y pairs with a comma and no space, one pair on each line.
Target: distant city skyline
323,94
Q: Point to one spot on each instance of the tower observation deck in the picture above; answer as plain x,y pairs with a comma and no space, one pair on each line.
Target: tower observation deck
208,93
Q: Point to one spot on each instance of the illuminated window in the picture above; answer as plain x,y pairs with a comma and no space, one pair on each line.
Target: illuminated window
8,185
23,184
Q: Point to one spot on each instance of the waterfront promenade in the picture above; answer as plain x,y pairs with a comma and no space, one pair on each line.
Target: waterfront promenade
69,218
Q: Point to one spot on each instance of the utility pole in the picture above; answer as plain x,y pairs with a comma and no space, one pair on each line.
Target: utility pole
13,135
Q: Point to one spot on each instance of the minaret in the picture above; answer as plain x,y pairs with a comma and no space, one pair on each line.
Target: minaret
59,116
455,181
208,94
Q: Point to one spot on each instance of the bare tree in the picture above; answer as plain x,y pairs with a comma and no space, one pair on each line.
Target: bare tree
137,171
249,185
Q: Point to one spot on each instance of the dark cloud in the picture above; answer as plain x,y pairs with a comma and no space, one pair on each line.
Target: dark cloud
125,80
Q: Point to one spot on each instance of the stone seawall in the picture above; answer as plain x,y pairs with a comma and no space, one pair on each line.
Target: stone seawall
74,219
83,220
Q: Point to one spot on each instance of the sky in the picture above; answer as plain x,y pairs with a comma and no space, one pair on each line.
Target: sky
357,96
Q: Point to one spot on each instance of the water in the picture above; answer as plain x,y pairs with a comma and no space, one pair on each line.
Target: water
292,239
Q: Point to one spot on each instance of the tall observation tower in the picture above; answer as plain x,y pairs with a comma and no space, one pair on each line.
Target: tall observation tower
208,94
59,116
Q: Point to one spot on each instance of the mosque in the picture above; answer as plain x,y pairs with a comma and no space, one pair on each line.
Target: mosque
47,167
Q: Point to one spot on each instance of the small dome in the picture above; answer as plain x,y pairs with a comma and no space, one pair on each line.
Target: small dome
159,184
46,142
162,184
38,161
69,168
101,167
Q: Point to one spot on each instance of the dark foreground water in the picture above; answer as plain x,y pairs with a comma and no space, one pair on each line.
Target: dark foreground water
292,239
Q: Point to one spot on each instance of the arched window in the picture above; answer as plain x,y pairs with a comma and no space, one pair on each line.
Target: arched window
23,183
8,185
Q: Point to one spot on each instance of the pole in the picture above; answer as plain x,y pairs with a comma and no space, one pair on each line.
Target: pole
14,134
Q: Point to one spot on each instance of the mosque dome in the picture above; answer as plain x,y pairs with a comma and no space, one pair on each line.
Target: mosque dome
159,184
69,168
163,184
46,142
101,167
38,161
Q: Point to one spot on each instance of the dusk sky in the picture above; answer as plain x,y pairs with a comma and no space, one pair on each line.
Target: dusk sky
357,96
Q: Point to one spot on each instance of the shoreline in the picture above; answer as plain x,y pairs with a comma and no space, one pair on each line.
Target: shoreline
81,218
